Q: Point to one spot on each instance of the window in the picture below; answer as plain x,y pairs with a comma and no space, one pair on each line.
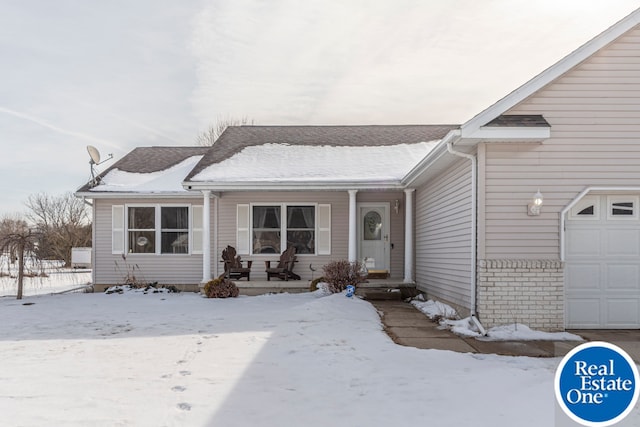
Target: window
297,223
157,229
301,228
586,209
271,228
622,207
142,233
266,229
175,230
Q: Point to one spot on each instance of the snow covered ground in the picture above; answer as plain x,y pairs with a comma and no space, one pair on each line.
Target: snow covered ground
137,359
43,277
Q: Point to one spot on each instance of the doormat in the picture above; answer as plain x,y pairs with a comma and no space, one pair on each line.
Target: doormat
378,274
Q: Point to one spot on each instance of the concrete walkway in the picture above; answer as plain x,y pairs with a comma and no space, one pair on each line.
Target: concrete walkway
407,326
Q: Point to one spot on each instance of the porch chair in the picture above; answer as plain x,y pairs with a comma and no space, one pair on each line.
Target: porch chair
233,267
284,269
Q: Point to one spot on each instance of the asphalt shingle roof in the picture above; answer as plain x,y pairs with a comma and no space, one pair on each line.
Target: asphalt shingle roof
151,159
519,120
236,138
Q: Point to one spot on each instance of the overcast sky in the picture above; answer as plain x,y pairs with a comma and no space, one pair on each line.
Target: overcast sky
120,74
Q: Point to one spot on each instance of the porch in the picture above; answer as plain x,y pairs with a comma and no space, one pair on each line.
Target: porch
371,289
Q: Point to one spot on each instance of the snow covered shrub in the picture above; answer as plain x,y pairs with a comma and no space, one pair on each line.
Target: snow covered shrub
314,284
129,275
220,288
339,274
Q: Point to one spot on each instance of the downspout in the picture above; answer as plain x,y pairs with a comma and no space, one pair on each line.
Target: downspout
474,215
93,244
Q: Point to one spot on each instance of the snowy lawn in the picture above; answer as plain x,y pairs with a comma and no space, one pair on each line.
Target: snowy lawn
277,360
43,277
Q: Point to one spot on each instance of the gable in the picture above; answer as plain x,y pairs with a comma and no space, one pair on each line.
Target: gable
551,74
601,94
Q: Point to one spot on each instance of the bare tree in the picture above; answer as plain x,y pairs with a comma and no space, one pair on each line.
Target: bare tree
64,224
213,132
19,240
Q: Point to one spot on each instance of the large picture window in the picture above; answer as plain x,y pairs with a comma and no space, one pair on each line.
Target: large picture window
149,225
295,223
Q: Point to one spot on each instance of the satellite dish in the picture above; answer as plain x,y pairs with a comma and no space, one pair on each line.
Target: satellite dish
94,154
95,160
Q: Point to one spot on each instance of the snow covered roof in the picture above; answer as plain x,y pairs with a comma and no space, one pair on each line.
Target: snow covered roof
163,181
325,163
251,157
148,170
236,138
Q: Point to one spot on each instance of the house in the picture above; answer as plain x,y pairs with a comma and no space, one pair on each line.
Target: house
334,192
528,212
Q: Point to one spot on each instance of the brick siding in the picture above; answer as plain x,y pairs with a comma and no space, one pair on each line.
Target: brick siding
521,291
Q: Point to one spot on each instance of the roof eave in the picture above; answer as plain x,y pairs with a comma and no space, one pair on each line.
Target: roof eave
434,155
506,134
292,185
133,194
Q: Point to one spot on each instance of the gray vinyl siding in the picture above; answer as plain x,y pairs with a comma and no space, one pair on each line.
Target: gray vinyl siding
111,269
339,201
594,112
443,235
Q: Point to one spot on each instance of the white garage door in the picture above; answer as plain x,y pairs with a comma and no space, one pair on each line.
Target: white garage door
602,272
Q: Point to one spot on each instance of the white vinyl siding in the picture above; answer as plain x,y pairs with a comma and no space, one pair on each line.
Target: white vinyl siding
443,235
594,112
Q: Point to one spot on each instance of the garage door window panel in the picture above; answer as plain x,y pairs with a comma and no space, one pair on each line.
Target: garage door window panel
586,209
622,208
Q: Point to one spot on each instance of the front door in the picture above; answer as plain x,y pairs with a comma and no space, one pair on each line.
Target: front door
373,235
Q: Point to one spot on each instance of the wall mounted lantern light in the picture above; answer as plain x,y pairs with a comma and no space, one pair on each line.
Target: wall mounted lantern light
396,206
533,209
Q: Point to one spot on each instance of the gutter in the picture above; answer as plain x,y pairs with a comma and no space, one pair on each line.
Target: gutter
432,157
474,214
291,185
133,195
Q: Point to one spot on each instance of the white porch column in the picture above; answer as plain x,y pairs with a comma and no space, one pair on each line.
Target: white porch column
206,236
353,227
408,235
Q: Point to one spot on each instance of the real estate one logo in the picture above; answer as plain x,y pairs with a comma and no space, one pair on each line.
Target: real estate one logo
596,384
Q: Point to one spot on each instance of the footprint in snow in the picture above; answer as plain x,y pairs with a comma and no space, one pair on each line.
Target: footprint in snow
178,388
184,406
185,373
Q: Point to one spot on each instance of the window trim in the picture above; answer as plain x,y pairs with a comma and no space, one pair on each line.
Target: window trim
622,199
583,204
158,228
283,225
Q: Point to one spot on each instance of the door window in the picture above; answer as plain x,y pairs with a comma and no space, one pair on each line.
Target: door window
372,226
